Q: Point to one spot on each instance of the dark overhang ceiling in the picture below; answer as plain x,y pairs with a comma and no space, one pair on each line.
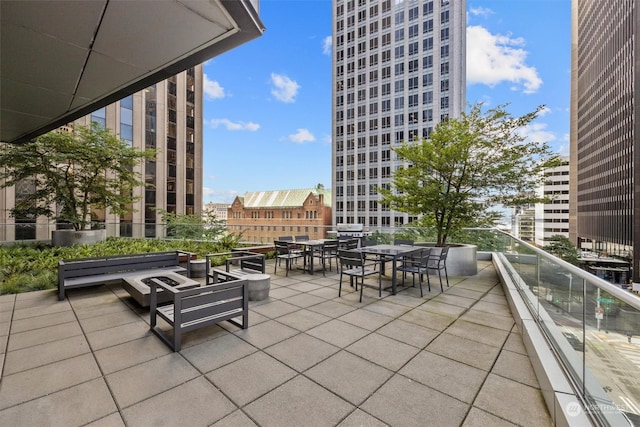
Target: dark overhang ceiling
61,60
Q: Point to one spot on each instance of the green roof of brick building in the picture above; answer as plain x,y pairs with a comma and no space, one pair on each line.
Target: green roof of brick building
283,198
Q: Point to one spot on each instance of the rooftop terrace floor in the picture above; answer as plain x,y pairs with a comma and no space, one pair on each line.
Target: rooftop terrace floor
308,358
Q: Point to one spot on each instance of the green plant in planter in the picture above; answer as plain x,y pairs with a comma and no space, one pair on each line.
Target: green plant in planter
71,173
468,165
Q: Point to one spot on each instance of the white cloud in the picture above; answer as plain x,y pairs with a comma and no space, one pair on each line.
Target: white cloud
250,126
544,111
211,88
537,132
563,149
327,43
480,11
301,136
284,89
209,195
493,59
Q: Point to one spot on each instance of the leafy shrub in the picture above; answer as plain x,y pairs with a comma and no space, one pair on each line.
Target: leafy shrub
30,267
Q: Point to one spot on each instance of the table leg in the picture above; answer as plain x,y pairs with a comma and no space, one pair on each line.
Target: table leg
393,276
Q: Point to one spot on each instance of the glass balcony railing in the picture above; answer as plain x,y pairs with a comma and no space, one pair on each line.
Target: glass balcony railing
592,326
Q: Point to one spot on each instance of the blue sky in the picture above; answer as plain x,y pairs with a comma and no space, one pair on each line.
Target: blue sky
267,103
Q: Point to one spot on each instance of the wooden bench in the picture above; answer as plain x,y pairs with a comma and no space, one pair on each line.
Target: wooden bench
224,299
237,262
94,271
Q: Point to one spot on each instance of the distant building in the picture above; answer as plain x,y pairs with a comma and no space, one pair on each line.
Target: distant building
264,216
165,117
605,152
398,69
219,210
524,223
552,218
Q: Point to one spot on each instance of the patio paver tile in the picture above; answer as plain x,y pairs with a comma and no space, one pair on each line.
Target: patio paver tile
139,382
266,333
310,406
217,352
122,356
301,351
463,350
349,376
513,401
386,352
194,403
445,375
409,333
303,320
43,354
403,402
91,401
250,377
338,333
43,380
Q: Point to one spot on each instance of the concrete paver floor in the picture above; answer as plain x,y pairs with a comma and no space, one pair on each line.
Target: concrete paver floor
309,358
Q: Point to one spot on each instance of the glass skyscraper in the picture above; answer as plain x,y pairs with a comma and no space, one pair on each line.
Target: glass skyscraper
604,177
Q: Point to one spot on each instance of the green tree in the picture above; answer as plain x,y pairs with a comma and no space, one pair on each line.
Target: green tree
561,247
73,172
467,166
196,227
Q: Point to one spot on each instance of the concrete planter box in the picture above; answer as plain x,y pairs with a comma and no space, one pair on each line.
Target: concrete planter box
73,237
259,286
462,259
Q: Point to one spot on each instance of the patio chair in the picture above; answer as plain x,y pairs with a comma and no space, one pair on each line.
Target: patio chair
328,251
350,243
355,265
195,308
416,263
284,251
438,261
403,242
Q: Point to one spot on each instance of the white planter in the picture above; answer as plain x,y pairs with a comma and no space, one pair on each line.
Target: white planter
73,237
462,259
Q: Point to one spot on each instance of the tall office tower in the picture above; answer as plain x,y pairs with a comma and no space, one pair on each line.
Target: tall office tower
398,69
166,117
604,177
552,218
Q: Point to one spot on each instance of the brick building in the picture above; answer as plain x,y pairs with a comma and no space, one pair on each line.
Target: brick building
263,216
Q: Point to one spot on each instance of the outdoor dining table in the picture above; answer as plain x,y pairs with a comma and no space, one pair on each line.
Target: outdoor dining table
308,246
389,253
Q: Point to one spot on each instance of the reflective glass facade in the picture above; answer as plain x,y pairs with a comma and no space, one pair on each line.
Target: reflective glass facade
604,211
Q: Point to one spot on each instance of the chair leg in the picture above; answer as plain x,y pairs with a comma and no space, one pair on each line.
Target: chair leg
419,282
361,287
446,275
340,285
440,277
